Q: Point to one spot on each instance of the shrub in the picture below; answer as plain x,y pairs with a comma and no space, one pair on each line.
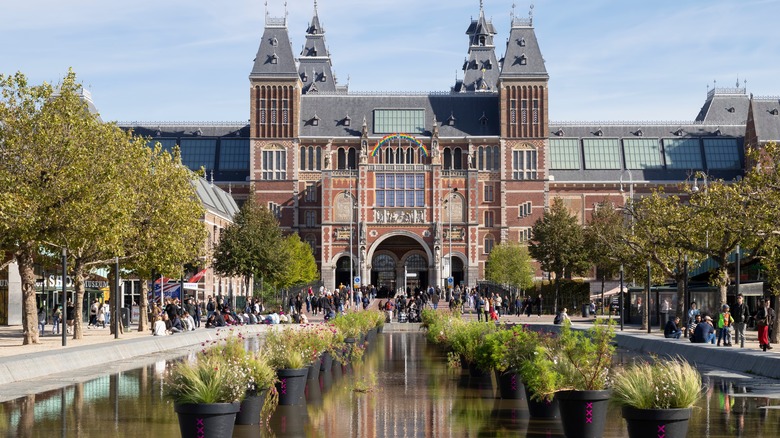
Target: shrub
664,384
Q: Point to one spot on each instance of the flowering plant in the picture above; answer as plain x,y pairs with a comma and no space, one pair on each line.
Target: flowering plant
584,359
287,348
664,384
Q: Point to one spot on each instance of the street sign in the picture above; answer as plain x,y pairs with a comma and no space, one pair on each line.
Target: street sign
450,281
357,280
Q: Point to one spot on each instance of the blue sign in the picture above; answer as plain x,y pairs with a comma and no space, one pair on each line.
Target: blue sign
357,280
450,280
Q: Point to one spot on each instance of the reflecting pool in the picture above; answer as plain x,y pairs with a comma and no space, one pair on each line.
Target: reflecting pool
402,388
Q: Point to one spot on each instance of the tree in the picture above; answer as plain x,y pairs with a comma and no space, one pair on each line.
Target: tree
558,244
510,264
300,268
168,231
67,181
603,241
252,246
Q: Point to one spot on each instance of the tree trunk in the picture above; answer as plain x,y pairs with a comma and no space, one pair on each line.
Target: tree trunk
26,259
681,304
143,320
78,301
116,315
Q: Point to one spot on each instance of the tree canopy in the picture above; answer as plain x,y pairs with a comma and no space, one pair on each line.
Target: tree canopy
510,264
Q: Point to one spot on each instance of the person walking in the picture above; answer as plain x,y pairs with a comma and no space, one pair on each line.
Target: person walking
41,320
765,317
725,321
741,313
56,319
539,302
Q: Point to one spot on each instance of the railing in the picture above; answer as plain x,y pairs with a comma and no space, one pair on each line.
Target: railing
344,173
154,124
399,167
454,173
726,90
626,123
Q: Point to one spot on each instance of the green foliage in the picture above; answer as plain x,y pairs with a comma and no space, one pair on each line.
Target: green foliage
252,246
664,384
467,336
538,374
287,348
510,264
491,353
300,267
584,359
558,243
604,239
209,379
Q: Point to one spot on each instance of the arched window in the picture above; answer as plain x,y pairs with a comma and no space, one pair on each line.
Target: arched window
447,159
311,158
410,156
489,243
318,162
416,263
457,159
342,159
488,158
481,158
352,163
302,159
496,158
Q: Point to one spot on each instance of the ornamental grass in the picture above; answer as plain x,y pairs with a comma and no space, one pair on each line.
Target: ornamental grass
662,384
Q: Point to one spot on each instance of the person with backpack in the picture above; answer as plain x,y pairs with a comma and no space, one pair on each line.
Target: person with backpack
725,321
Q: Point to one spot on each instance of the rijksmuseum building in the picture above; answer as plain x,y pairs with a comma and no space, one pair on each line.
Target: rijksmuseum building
411,189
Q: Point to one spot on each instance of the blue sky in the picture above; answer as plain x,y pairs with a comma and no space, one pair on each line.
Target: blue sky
189,60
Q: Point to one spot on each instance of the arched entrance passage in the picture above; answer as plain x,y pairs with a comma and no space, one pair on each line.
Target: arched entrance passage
397,259
457,271
342,271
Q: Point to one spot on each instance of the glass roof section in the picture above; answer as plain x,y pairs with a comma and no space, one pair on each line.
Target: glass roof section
601,153
642,153
564,154
722,153
683,153
391,121
234,154
197,153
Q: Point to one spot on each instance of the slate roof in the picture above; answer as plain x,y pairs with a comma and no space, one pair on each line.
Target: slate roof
725,106
766,117
522,46
466,108
215,199
481,67
187,129
274,57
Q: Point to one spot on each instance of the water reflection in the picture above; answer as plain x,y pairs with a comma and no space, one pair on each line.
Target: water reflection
411,392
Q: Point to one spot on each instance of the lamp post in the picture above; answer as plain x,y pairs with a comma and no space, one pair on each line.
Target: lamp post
348,195
647,296
448,201
621,298
64,298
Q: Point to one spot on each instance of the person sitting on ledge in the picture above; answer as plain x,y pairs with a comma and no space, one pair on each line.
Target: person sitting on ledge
672,329
704,332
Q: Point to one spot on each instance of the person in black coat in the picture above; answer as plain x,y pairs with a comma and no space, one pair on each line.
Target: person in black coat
741,314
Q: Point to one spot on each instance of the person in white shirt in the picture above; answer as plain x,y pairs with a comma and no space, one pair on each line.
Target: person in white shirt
159,327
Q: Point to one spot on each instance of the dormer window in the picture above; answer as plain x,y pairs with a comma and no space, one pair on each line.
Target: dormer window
323,77
158,133
679,132
313,52
450,120
717,132
304,77
730,109
274,59
560,132
523,59
481,40
483,120
773,111
197,133
487,65
315,121
347,121
521,42
274,41
639,133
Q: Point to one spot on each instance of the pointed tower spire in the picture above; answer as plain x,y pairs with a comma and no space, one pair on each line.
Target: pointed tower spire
480,70
315,57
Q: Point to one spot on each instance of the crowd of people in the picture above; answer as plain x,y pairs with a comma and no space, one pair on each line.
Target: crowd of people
709,329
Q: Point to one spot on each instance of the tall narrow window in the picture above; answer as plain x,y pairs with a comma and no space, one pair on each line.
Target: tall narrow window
457,159
447,159
274,164
488,192
489,220
489,242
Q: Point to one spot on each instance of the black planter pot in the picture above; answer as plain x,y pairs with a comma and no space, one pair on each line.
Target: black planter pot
207,420
542,408
251,407
583,413
510,386
380,329
652,423
326,361
292,386
314,369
